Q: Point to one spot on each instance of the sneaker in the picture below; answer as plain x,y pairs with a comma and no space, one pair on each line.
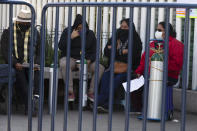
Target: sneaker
71,97
91,97
102,109
35,105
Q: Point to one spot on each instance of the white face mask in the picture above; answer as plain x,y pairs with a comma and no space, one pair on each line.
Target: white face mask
158,35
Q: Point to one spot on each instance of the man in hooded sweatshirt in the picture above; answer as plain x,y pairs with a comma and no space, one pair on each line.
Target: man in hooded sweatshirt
76,48
21,55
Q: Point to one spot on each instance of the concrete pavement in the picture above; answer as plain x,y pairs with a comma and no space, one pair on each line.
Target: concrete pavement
20,122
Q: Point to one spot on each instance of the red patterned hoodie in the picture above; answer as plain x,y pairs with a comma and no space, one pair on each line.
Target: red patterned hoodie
175,59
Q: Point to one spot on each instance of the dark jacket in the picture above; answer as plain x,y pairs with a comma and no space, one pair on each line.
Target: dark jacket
136,51
90,48
90,45
175,58
20,47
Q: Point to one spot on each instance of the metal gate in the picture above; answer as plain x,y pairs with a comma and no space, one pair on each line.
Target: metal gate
99,6
32,40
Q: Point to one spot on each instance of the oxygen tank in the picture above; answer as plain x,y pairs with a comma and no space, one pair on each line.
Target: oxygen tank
84,103
155,84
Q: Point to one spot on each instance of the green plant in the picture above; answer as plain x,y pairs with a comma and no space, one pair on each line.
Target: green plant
49,51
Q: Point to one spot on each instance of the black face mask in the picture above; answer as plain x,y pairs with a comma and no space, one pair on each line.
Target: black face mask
123,34
23,27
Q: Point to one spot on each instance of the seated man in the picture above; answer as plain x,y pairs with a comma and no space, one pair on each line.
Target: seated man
21,55
90,55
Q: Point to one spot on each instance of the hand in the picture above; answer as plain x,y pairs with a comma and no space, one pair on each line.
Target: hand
109,46
74,34
88,62
138,75
18,66
125,51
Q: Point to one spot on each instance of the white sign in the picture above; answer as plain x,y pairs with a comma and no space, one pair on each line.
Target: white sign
180,12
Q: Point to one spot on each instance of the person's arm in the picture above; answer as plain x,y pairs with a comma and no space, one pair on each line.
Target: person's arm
175,61
37,51
63,41
140,69
91,47
107,49
5,47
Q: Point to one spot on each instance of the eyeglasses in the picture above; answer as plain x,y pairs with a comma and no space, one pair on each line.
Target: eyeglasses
159,30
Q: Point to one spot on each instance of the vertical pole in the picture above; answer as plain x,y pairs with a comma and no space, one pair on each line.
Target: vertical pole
185,73
194,71
130,50
67,69
42,62
146,74
55,71
165,70
31,61
83,42
111,85
99,18
10,67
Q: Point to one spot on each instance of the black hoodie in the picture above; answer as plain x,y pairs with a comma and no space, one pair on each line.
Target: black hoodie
90,48
122,35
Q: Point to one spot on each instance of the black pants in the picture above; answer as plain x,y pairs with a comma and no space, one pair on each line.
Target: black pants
22,84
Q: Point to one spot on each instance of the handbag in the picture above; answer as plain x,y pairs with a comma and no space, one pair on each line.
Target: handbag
120,67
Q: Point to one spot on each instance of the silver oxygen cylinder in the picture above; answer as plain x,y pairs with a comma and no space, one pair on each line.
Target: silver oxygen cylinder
155,85
84,103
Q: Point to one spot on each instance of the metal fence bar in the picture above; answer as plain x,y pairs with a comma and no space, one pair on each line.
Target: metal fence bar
112,69
146,75
185,73
10,68
42,63
82,68
129,70
31,61
67,70
97,68
55,71
165,69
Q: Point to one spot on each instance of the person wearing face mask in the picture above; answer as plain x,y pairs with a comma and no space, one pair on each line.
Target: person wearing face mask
21,55
121,60
76,47
175,61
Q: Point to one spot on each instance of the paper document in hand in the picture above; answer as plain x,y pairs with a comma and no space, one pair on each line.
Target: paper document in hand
135,84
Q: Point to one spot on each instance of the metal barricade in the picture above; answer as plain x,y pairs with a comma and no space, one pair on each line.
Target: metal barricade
10,85
131,5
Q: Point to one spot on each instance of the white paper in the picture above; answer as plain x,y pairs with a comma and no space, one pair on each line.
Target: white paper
135,84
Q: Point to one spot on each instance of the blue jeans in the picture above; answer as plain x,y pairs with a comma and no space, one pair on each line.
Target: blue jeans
103,97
